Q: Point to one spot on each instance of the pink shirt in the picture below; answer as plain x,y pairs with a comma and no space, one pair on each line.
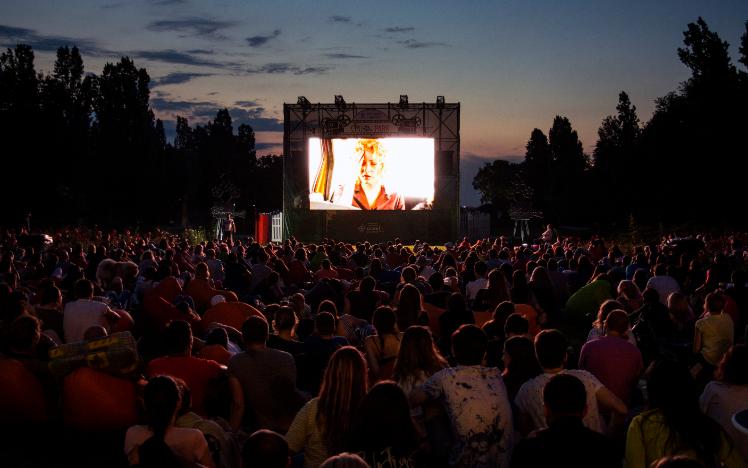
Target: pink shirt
615,362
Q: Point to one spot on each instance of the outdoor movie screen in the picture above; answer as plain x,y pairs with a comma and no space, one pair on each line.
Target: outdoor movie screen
371,173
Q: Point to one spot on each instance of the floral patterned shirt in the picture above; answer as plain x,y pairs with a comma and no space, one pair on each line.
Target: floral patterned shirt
478,407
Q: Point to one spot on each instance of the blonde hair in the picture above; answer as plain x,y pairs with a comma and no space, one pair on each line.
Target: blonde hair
370,145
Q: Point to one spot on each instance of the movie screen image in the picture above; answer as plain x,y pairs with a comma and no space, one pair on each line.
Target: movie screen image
371,173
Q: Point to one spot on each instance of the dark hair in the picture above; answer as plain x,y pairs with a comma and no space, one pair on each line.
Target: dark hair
23,332
367,284
617,321
383,421
217,336
178,337
516,324
265,449
408,307
523,364
469,345
160,399
285,318
327,306
565,395
83,289
680,461
385,321
714,302
480,268
550,347
324,323
674,393
255,330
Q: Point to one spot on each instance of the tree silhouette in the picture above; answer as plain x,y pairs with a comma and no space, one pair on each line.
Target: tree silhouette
538,169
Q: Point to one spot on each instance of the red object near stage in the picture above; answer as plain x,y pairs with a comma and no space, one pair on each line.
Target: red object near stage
262,228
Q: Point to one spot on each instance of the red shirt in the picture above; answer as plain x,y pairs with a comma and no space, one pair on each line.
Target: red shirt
615,362
384,200
195,372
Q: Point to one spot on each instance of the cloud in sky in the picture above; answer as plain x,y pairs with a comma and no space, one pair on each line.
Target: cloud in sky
400,29
258,41
193,26
181,58
11,35
345,56
247,112
416,44
340,19
284,67
176,78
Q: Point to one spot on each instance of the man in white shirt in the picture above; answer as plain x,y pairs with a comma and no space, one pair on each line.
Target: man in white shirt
663,283
480,281
84,313
551,350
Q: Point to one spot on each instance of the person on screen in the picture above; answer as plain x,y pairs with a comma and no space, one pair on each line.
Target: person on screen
369,192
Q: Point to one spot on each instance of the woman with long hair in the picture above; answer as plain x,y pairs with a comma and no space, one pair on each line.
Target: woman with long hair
409,309
417,360
321,425
456,314
674,424
520,364
382,348
160,443
495,292
382,431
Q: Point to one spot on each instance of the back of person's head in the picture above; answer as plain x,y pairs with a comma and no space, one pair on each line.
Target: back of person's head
436,281
94,332
383,421
417,353
324,324
266,449
469,345
714,302
408,274
660,269
651,295
155,453
49,294
255,330
24,332
202,271
160,398
733,368
83,289
345,460
522,362
481,268
565,395
217,336
617,321
285,318
178,337
456,303
551,348
327,306
385,320
516,324
367,284
343,387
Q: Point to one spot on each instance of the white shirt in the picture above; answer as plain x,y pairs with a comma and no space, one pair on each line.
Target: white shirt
81,315
472,288
664,285
720,401
189,445
529,399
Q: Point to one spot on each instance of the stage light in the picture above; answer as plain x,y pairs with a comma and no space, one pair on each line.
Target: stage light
403,101
440,102
304,102
339,102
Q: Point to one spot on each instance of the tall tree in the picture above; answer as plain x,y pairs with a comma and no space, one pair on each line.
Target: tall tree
495,181
569,165
539,169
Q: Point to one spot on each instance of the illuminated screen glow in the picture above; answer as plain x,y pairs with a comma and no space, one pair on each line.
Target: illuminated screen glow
371,173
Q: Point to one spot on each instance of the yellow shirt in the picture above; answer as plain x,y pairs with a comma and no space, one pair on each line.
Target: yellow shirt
717,334
646,442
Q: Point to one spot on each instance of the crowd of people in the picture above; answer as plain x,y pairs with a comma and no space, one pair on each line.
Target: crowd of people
148,349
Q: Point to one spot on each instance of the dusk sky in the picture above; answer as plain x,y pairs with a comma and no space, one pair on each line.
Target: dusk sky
513,65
